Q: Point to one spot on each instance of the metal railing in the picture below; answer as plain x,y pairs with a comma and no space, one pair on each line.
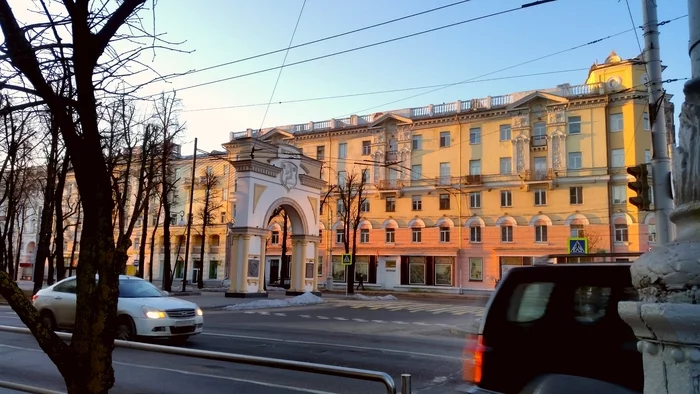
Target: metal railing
26,388
321,369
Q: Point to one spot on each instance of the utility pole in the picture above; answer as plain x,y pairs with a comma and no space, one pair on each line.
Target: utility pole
660,161
189,217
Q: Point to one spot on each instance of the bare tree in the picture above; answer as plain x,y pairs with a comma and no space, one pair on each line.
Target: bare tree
211,203
166,108
38,62
60,221
279,212
595,241
351,197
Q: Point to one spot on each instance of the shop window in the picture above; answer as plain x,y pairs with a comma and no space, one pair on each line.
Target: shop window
416,272
443,271
338,269
213,269
476,269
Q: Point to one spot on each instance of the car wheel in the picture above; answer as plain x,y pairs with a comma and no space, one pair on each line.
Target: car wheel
125,329
48,319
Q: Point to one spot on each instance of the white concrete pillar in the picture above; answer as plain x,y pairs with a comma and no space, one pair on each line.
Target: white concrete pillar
244,248
261,264
233,263
315,288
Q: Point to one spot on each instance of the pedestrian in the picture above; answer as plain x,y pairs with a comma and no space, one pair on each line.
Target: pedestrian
360,283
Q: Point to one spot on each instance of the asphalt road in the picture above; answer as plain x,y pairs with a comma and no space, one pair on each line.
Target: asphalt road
422,339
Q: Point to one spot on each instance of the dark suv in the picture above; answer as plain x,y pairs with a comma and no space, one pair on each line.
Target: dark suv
556,323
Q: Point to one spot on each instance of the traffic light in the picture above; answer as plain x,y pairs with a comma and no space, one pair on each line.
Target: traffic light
640,185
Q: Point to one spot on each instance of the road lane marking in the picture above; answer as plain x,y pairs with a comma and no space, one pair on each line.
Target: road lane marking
360,320
378,321
340,318
298,342
323,317
204,375
280,314
306,316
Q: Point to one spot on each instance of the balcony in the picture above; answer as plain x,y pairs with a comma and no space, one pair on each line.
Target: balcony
214,249
392,156
389,184
538,143
539,175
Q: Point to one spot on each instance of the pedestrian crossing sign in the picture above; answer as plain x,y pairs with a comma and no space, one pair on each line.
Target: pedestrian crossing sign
578,245
347,259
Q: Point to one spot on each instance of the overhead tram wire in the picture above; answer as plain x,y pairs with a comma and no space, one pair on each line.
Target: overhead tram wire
384,91
323,39
522,7
634,28
279,74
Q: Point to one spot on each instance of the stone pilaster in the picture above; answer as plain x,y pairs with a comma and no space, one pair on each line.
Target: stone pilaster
240,279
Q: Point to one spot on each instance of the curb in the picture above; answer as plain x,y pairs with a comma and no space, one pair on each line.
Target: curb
404,295
185,293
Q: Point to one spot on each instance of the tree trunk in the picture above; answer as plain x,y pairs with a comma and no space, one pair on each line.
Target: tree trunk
76,242
144,234
58,205
205,223
153,245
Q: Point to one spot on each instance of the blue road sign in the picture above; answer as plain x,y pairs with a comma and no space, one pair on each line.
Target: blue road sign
578,245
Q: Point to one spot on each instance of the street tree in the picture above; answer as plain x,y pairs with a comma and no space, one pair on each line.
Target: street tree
69,46
280,214
210,204
166,109
351,197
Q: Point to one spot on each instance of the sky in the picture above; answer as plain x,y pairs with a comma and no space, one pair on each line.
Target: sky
218,31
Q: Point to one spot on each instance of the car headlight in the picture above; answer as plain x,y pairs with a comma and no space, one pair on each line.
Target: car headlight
200,312
153,313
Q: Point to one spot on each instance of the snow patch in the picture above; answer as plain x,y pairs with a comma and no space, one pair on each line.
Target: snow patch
304,299
363,297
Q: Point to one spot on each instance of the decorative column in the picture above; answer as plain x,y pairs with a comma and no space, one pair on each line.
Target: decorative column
315,288
240,269
244,248
667,318
300,243
233,263
262,265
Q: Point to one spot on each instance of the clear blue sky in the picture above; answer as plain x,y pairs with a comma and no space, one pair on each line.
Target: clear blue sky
225,30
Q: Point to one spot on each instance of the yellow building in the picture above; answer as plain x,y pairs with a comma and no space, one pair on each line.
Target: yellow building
462,191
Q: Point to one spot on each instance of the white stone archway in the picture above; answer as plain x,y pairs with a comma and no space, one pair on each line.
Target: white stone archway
269,176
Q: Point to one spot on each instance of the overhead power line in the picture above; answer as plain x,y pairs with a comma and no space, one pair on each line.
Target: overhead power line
522,7
573,48
384,91
321,39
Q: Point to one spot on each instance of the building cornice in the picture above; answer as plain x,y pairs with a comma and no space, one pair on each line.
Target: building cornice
257,167
312,182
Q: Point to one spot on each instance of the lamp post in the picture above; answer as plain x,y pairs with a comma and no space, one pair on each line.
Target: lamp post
667,316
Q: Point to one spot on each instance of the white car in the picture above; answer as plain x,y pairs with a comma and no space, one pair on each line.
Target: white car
143,310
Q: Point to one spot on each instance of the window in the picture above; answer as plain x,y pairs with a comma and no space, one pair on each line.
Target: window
389,235
210,170
366,148
619,194
417,142
364,207
474,167
621,233
320,152
476,269
647,125
223,216
213,269
444,201
275,238
416,235
342,150
540,130
475,200
416,271
364,235
618,158
445,178
506,198
342,178
444,139
137,243
507,233
416,203
574,125
575,161
651,229
416,172
443,271
475,234
444,234
616,122
591,303
576,195
506,165
340,207
647,156
475,135
365,176
338,269
390,204
529,302
504,132
540,233
339,236
320,235
66,287
576,231
540,197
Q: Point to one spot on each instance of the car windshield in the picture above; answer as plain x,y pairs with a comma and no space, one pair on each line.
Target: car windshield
131,288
